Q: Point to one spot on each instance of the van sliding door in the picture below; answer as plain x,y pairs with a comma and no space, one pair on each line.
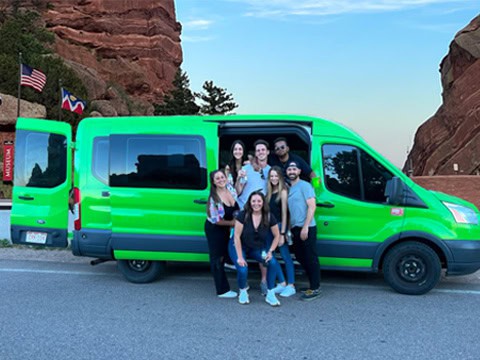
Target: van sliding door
159,187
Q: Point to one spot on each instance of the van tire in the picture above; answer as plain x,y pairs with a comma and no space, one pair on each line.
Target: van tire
412,268
141,271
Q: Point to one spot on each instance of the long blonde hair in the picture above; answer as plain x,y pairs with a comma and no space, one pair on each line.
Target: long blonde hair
281,184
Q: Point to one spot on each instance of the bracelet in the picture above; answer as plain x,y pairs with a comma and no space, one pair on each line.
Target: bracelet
282,233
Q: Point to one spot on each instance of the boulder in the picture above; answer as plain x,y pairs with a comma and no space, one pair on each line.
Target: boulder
449,142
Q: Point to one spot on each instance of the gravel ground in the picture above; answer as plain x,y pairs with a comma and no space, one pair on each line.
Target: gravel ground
56,255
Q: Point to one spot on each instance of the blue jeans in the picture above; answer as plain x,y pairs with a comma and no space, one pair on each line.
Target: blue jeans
287,258
256,254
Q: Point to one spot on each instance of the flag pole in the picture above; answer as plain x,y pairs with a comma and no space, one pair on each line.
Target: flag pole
19,82
60,104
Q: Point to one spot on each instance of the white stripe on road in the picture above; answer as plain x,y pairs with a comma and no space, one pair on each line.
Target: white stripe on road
456,291
200,277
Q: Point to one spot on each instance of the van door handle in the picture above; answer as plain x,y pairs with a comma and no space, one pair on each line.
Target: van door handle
200,201
326,204
26,197
105,193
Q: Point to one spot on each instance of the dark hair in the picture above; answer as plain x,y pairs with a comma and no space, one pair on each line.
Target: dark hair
261,142
231,164
213,187
281,138
265,209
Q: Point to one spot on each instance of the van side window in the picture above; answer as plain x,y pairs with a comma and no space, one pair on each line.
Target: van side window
158,161
375,178
345,165
40,159
340,166
100,157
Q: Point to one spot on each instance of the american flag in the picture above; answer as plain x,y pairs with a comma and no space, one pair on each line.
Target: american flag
33,78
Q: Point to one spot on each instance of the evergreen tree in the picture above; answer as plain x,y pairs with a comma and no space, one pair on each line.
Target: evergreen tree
22,31
216,100
180,100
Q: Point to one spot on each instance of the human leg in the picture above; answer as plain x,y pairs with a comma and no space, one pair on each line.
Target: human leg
216,238
289,266
279,273
242,271
311,258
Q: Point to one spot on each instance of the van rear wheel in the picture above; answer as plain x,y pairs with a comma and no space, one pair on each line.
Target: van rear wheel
141,271
412,268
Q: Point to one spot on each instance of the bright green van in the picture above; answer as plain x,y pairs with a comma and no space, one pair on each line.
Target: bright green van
140,186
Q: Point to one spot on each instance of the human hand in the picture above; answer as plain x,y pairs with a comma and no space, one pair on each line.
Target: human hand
242,173
268,257
304,233
241,261
281,241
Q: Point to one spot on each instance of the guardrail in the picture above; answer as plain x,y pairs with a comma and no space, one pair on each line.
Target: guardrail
5,204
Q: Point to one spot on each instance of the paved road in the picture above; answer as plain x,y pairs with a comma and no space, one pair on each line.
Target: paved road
55,306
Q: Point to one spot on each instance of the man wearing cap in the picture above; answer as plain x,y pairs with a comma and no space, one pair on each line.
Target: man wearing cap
282,157
301,204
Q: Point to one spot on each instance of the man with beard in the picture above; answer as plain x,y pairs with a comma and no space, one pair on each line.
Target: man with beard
282,158
301,204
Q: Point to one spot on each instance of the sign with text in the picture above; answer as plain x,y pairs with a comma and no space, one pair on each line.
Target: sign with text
7,161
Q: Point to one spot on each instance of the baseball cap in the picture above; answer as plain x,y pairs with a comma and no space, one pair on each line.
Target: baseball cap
292,164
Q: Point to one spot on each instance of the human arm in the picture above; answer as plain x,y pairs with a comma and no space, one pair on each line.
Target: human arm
284,209
238,243
310,213
215,213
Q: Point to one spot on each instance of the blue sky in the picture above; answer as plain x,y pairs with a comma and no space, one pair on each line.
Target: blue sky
371,65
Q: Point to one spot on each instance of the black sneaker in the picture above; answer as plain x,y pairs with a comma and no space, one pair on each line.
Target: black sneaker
310,294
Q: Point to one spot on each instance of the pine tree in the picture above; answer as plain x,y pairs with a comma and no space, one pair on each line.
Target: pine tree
216,100
180,100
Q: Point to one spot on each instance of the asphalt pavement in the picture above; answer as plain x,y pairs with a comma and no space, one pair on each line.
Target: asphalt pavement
57,306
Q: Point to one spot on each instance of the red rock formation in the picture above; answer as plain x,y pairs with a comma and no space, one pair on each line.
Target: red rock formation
130,45
452,135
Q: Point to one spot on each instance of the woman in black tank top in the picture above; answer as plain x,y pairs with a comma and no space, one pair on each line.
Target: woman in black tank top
277,197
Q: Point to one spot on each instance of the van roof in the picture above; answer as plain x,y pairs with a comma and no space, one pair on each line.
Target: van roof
320,126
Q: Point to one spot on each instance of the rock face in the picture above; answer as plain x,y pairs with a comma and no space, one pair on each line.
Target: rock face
452,135
131,45
8,110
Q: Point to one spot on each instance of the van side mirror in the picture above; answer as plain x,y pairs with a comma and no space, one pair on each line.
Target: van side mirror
395,191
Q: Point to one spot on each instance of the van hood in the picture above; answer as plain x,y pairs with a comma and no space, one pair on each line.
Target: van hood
453,199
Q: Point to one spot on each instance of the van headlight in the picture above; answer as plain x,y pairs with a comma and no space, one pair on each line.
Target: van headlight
462,214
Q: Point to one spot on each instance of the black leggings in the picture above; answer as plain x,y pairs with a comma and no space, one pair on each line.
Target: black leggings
217,237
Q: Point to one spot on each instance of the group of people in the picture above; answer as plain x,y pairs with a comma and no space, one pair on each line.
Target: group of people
253,205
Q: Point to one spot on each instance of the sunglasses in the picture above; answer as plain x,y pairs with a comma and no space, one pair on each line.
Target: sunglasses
281,147
262,175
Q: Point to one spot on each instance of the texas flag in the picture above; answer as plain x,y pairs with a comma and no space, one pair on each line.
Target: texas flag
72,103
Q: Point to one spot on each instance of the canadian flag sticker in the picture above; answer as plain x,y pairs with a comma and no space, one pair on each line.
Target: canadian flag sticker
396,211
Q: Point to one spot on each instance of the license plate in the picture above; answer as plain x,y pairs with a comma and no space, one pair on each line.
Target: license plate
36,237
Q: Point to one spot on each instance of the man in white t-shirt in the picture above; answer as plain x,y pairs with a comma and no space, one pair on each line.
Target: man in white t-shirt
255,179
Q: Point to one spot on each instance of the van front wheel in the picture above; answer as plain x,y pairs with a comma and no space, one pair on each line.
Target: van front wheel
412,268
141,271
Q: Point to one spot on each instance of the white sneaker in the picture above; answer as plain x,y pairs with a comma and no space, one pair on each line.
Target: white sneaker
243,297
279,288
228,295
289,291
271,298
